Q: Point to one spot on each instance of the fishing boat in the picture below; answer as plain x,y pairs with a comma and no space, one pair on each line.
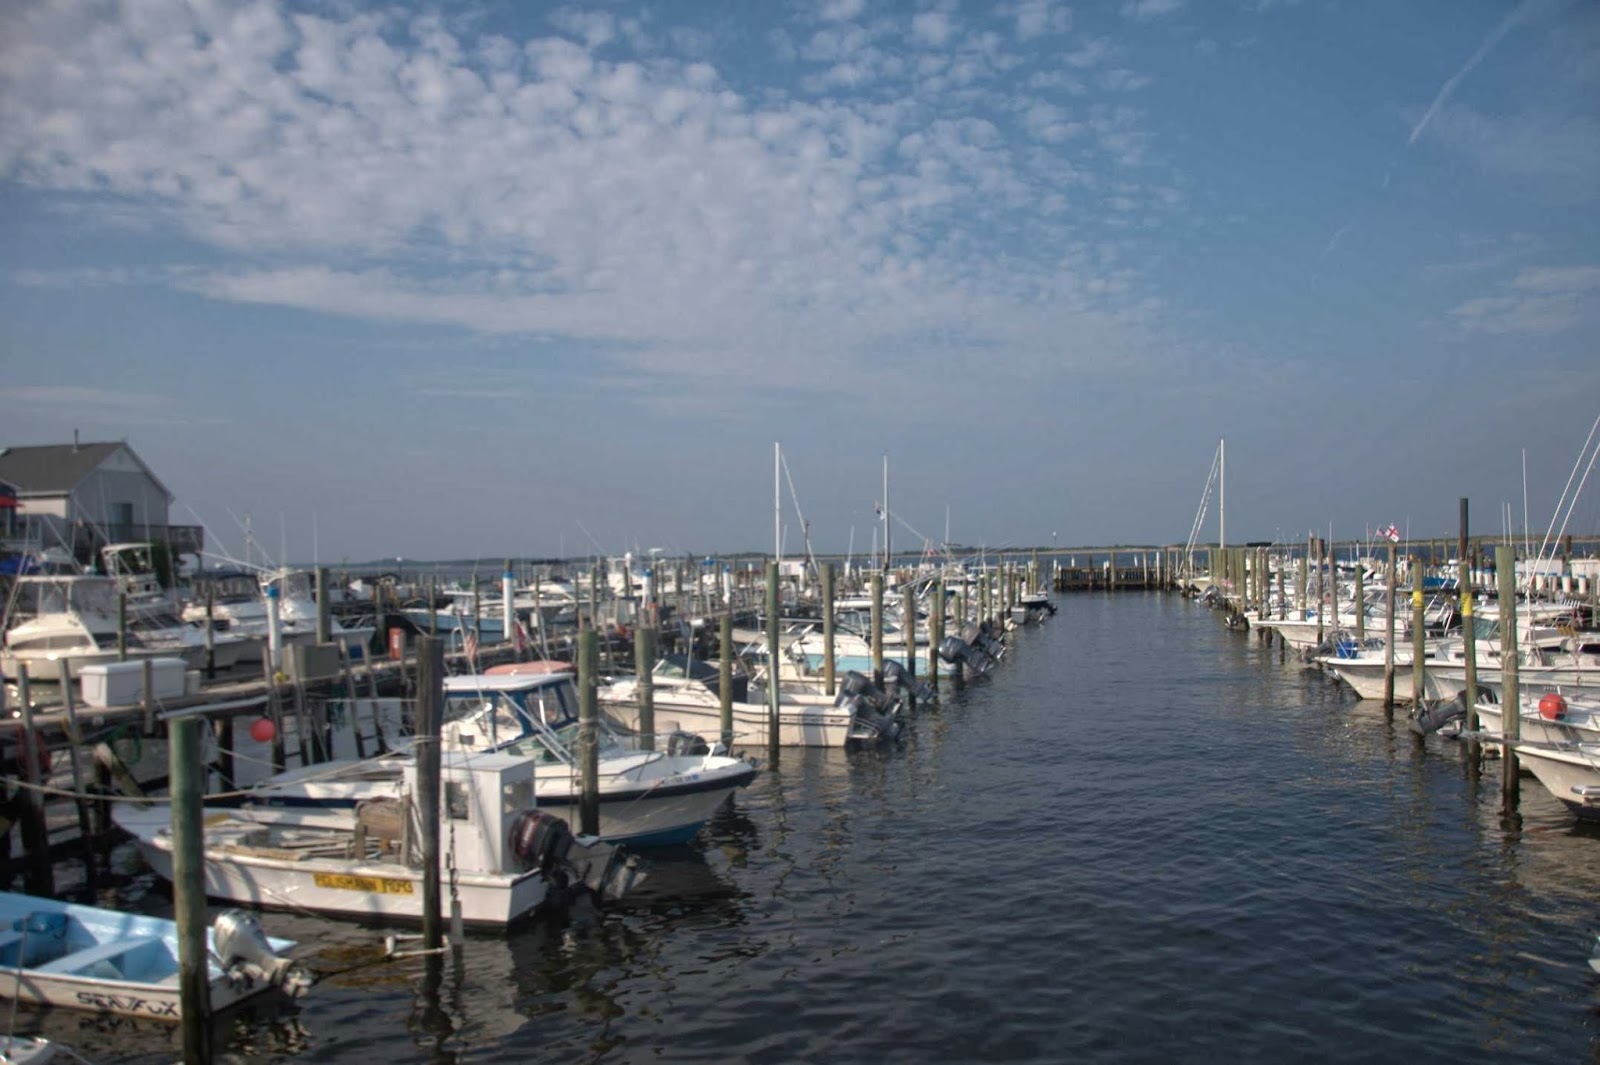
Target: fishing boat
647,797
55,953
1568,771
507,858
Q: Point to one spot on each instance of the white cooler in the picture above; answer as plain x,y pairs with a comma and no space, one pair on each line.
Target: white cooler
122,683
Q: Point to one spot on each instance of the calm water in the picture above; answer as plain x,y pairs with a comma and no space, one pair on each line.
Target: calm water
1144,838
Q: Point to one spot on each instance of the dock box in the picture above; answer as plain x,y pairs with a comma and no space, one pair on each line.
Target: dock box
122,683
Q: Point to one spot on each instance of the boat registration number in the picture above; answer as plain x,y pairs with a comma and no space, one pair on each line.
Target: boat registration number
375,885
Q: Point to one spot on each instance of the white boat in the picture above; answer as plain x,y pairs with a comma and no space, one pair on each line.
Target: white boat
685,704
239,607
74,618
504,858
1550,717
55,953
647,798
27,1050
1568,771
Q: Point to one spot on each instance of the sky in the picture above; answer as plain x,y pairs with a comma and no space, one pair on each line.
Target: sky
507,278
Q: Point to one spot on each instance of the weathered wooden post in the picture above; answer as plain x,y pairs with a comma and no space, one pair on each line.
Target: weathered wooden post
935,632
430,710
324,607
1505,568
189,885
725,675
1361,606
1300,580
211,630
911,641
40,876
1388,640
588,729
1469,641
773,659
877,629
1419,635
829,666
122,625
74,759
644,658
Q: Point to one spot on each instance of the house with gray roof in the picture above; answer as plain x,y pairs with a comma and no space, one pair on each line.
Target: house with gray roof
80,496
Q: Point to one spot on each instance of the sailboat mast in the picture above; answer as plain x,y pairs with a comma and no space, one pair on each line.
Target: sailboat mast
1222,494
777,503
886,552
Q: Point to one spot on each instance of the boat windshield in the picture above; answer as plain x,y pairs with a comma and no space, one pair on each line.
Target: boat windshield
36,597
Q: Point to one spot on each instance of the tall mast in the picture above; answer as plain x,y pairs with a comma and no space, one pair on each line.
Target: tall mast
886,552
777,502
1222,494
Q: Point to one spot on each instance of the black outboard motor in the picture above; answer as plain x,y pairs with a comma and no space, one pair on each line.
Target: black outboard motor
1431,717
540,840
952,649
894,675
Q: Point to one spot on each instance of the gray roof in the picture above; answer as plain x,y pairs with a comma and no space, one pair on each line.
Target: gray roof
56,469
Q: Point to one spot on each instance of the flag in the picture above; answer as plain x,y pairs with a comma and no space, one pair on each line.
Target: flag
520,635
471,645
1392,533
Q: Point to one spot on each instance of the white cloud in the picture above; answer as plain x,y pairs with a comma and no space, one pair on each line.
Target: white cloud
1148,10
1035,18
1539,301
1560,150
402,172
931,28
839,10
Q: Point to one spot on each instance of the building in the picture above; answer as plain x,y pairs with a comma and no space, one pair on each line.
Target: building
82,496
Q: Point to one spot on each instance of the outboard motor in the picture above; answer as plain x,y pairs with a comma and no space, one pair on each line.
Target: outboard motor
686,743
894,674
1431,717
952,649
540,840
248,956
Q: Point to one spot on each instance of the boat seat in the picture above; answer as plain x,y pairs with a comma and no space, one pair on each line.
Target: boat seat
122,959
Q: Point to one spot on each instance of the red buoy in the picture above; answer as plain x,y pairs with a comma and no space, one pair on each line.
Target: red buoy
262,730
1553,706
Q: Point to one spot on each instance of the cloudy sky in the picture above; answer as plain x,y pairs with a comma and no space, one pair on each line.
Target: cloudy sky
517,278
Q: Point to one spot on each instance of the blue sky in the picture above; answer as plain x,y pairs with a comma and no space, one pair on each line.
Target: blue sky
507,278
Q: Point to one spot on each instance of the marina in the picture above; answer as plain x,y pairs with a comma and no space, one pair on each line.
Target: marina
1327,896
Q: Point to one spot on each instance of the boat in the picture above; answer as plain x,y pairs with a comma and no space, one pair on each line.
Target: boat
647,798
1568,771
55,953
805,719
506,859
27,1050
238,606
74,618
1551,717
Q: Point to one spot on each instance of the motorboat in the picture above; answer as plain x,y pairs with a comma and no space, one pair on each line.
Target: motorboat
647,797
55,953
506,858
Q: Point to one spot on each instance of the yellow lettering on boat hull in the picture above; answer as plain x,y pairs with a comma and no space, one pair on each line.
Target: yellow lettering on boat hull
374,885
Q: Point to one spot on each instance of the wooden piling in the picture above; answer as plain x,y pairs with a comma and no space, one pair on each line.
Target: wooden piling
644,658
910,598
324,607
1388,640
1419,637
588,732
935,632
877,629
725,676
39,875
773,659
1361,606
122,625
187,782
69,706
1505,568
430,712
1469,643
829,667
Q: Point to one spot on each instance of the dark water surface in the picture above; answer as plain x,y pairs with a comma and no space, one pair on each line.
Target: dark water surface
1144,838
